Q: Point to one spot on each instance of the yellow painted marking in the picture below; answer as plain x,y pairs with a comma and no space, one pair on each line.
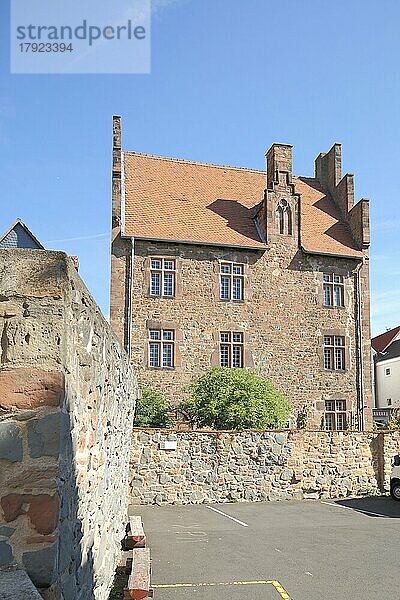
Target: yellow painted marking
281,591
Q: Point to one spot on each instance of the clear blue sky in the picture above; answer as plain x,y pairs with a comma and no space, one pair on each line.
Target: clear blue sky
229,77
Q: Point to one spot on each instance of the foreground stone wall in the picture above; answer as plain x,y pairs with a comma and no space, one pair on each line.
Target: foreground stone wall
258,465
67,397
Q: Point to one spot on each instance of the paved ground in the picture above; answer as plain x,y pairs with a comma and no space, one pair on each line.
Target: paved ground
296,550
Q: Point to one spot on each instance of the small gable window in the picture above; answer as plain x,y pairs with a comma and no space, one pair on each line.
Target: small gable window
284,218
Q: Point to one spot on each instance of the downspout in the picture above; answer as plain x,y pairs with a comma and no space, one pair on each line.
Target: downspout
359,342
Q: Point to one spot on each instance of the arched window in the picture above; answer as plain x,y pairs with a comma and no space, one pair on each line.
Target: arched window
284,218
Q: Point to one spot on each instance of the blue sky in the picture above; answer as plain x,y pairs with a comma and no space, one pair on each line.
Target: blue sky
228,78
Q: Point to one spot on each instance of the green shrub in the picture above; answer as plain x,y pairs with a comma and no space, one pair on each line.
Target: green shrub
224,398
151,410
394,422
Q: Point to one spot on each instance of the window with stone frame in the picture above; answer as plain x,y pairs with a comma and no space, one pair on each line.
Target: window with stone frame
231,349
161,348
334,353
162,277
333,290
231,281
335,415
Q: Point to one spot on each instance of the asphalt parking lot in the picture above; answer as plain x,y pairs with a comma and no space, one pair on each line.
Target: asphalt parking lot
309,550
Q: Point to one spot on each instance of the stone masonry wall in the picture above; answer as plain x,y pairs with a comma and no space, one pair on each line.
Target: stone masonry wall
258,465
282,317
67,397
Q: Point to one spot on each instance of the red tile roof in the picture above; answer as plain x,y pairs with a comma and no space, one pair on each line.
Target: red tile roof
181,200
382,341
322,229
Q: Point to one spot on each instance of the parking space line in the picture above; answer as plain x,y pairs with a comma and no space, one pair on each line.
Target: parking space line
279,588
359,510
227,516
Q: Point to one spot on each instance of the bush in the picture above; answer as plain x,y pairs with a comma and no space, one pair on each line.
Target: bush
224,398
394,422
151,410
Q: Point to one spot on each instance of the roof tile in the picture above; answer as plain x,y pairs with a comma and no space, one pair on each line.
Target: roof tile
181,200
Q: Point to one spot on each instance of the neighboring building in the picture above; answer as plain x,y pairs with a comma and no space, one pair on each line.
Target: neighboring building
19,236
219,265
386,356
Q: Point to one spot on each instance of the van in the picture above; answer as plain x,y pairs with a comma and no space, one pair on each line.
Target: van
395,478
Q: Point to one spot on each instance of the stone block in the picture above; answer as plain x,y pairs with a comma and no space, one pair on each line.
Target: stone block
286,474
280,438
40,565
44,436
6,555
27,388
69,588
33,477
41,509
6,531
10,442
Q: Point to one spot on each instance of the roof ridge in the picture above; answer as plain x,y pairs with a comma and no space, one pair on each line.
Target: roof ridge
391,330
193,162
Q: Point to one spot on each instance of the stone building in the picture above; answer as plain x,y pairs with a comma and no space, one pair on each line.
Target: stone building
386,375
220,265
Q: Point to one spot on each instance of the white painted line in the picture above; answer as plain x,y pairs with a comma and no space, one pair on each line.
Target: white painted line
359,510
336,505
227,516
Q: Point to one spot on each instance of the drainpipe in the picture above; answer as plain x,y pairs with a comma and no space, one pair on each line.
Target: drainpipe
359,343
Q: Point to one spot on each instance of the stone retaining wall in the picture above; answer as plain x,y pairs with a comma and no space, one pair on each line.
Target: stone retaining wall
258,465
67,396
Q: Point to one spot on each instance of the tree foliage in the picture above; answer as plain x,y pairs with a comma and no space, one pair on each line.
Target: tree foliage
151,410
224,398
394,422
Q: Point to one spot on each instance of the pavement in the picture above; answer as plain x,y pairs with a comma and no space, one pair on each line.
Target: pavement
304,550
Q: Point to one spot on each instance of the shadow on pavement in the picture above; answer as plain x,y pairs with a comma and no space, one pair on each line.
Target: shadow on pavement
373,506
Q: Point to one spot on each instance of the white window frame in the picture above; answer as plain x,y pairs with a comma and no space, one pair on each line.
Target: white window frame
334,352
162,271
162,338
230,342
333,283
227,271
335,414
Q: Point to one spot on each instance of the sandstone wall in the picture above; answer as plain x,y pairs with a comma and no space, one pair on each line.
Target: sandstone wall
282,317
67,397
258,465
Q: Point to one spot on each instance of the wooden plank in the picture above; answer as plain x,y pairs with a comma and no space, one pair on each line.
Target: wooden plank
139,580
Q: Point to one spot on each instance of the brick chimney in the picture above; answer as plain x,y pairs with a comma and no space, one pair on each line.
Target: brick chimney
116,172
328,169
279,164
279,192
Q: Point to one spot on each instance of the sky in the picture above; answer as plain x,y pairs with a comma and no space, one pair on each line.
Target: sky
228,78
